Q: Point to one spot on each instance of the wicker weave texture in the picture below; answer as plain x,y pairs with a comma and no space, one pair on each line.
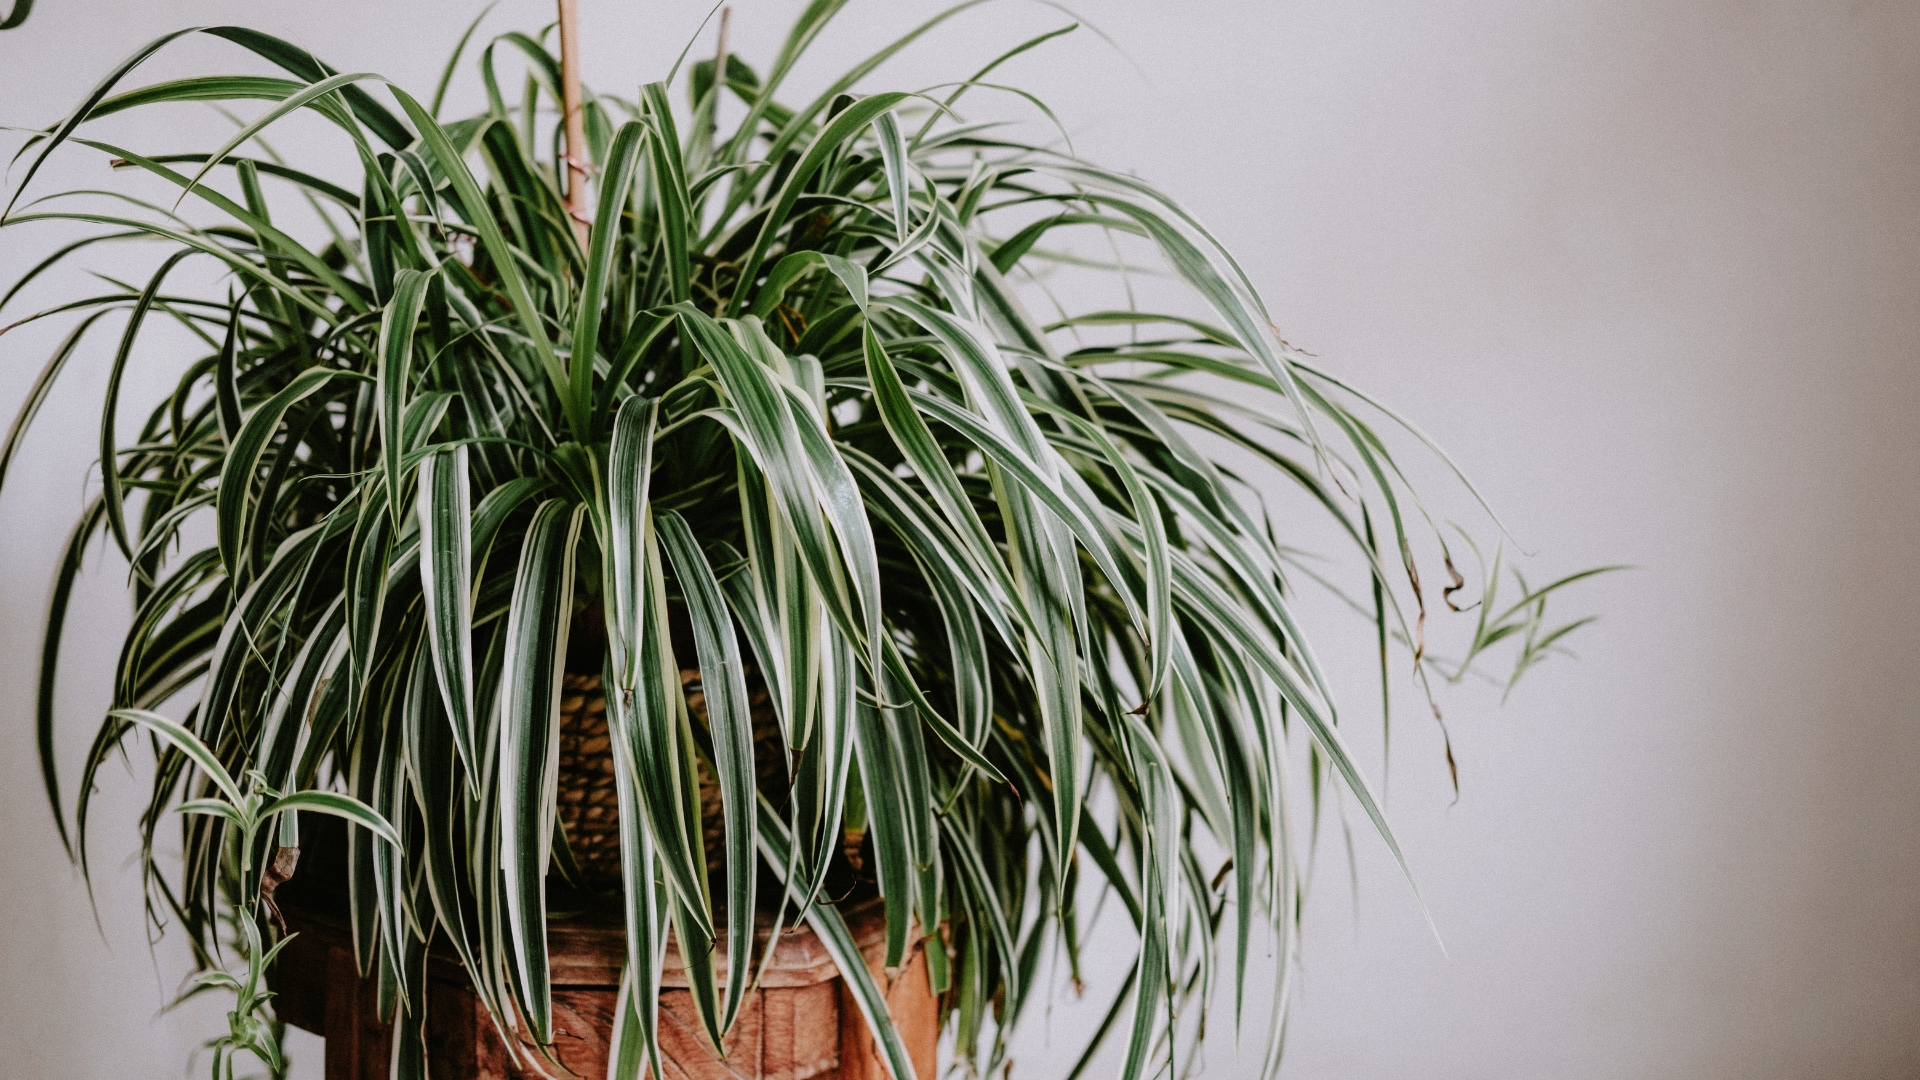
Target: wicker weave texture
588,803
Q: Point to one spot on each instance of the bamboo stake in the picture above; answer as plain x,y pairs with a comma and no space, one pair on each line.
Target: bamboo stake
574,119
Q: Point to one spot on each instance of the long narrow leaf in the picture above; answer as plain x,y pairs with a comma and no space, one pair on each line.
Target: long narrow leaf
536,647
446,579
723,684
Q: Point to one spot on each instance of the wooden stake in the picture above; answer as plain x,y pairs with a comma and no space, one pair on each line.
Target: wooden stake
574,119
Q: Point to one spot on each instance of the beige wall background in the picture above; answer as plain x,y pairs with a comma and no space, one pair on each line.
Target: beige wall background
1649,268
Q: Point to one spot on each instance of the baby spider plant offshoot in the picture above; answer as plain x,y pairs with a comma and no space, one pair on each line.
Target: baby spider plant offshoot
259,846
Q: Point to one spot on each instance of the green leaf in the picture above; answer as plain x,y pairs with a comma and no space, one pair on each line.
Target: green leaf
226,382
294,101
201,88
955,740
336,805
536,650
234,507
785,274
669,189
187,743
213,808
112,497
633,1045
729,716
366,572
303,63
245,268
629,474
37,394
446,580
651,715
237,649
616,179
892,848
394,375
821,784
50,663
80,114
636,1034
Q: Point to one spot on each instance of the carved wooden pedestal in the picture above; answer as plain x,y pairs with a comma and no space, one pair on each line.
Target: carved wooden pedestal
800,1024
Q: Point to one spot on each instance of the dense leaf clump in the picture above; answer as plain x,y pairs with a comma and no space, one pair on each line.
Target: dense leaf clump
781,414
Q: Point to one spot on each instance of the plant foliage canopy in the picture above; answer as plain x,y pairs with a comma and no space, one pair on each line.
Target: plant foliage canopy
782,409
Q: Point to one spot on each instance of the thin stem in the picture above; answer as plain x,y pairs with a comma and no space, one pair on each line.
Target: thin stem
575,121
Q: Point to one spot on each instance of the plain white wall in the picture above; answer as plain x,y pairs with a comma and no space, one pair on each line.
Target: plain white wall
1649,268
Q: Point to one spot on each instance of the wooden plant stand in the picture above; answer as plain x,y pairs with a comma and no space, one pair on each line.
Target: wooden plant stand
801,1023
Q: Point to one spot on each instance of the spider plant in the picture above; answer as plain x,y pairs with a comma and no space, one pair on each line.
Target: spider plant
781,386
